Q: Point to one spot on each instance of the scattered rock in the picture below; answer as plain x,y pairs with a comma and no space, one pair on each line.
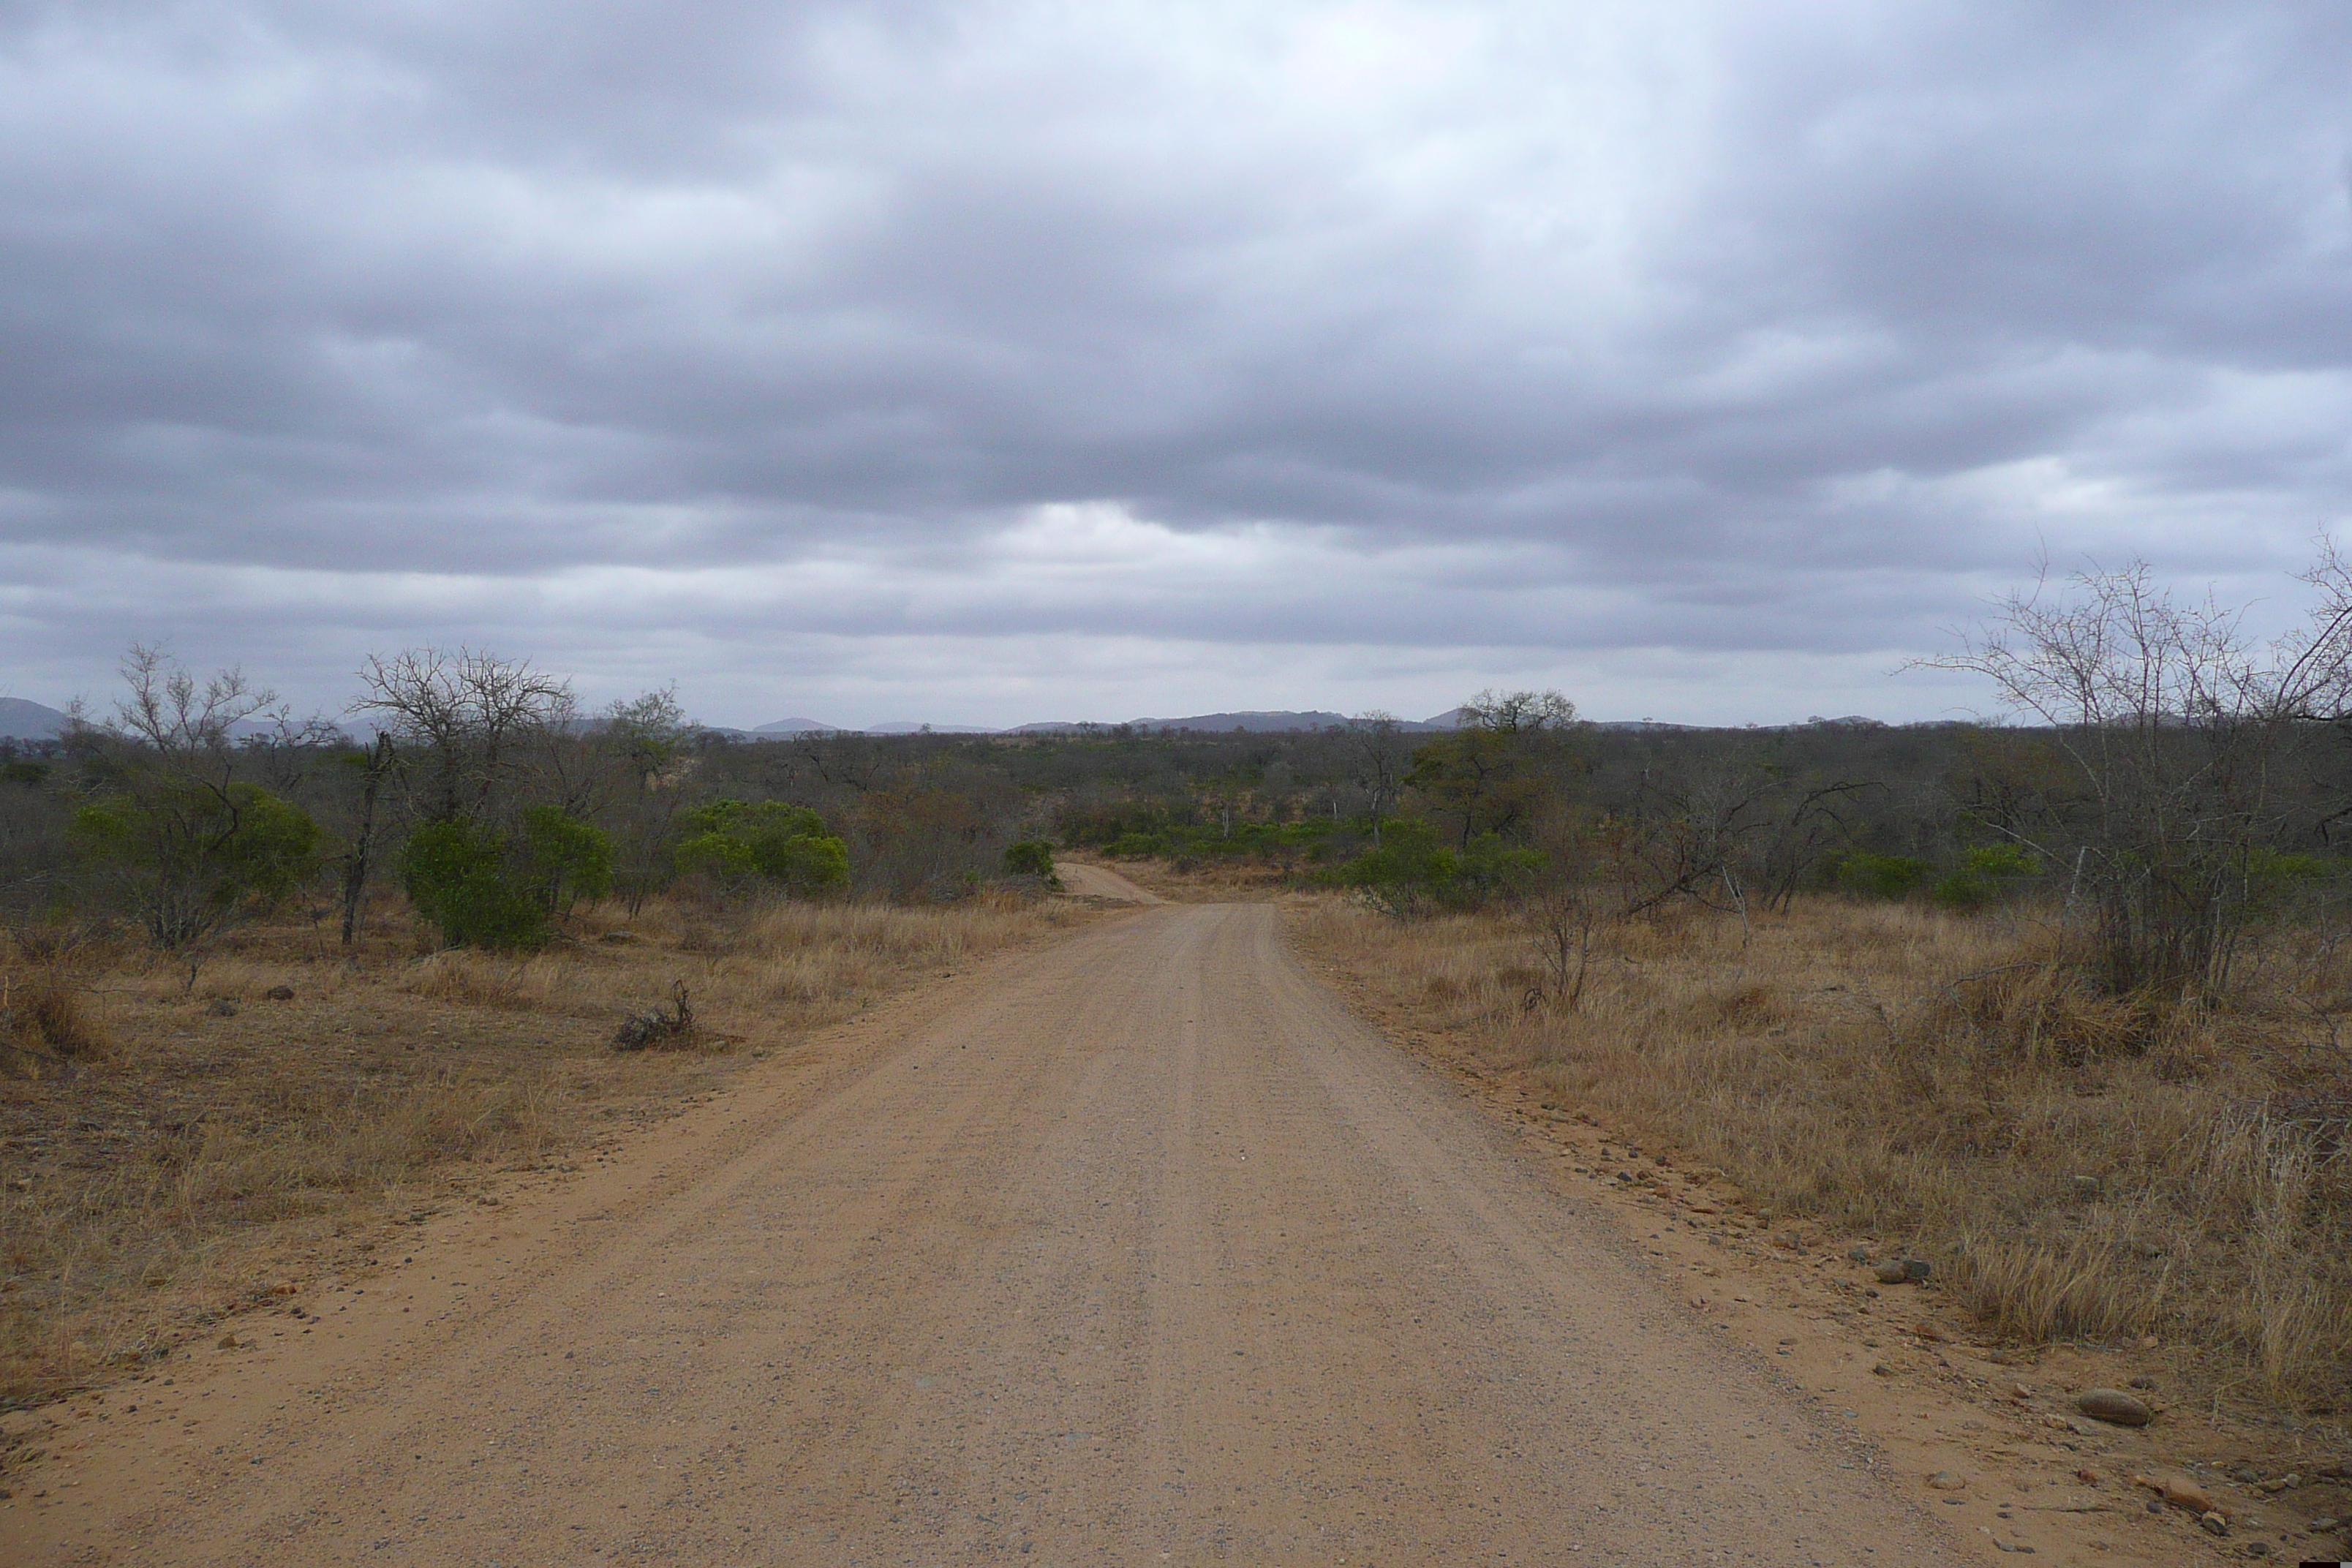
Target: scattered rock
2258,1549
1858,1254
2114,1405
1916,1269
1882,1370
222,1008
280,994
1892,1273
2278,1484
283,1287
228,1341
2020,1392
2322,1526
1934,1331
2142,1383
2213,1524
1946,1481
2089,1478
2182,1492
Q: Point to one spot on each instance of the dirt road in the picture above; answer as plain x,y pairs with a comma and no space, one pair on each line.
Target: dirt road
1132,1250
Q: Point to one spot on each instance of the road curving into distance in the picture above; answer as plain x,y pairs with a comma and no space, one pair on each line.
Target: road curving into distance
1133,1249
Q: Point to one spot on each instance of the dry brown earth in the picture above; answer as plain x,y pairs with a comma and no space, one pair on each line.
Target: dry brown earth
1136,1248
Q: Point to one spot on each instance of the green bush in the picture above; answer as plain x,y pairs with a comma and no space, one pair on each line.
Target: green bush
460,877
1882,876
1030,857
565,860
197,857
2276,881
741,843
1983,873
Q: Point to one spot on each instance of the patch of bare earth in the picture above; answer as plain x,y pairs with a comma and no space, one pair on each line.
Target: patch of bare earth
2103,1204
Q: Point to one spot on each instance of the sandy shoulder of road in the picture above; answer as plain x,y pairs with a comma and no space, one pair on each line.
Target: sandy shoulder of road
1988,1431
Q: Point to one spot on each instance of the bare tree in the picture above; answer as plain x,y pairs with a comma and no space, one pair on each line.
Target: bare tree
468,711
2170,725
1380,750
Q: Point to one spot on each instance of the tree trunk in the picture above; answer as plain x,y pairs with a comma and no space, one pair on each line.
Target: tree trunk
356,869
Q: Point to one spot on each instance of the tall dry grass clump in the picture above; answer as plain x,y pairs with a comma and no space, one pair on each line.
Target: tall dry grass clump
2077,1165
48,1019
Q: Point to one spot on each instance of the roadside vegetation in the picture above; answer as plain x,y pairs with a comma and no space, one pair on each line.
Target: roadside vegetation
2054,1003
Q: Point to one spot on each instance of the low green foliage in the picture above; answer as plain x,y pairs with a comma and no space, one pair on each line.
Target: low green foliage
1882,876
196,856
565,860
1985,875
739,843
1029,858
461,877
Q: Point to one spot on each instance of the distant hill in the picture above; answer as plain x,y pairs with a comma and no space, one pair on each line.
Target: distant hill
23,720
911,727
797,726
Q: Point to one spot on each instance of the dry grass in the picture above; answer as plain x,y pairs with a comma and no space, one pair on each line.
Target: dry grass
2076,1167
169,1135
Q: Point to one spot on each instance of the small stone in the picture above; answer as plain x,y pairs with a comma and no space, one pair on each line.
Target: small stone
1858,1254
228,1341
2114,1406
283,1287
2278,1484
1882,1370
2213,1524
2258,1549
2182,1492
1946,1481
2089,1478
2021,1391
1892,1273
2322,1526
280,994
2142,1383
1916,1269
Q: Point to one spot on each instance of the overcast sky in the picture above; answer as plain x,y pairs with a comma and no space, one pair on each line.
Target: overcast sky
991,363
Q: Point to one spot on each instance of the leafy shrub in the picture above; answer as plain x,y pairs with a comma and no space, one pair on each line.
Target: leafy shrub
738,842
458,876
1983,872
1882,876
1030,857
197,857
24,771
565,859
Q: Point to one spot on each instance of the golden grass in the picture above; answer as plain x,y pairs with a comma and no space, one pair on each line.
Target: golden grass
157,1176
2074,1166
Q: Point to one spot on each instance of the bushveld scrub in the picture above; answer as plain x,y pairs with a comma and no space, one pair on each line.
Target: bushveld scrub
2077,1164
188,1127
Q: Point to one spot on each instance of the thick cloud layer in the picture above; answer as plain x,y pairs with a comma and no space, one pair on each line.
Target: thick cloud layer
995,361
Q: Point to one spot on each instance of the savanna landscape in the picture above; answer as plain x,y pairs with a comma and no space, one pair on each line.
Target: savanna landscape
2001,1064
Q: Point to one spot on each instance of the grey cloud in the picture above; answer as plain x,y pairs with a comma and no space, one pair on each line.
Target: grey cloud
1706,328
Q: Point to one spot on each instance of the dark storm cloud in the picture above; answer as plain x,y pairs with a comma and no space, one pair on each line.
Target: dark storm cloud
1505,338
